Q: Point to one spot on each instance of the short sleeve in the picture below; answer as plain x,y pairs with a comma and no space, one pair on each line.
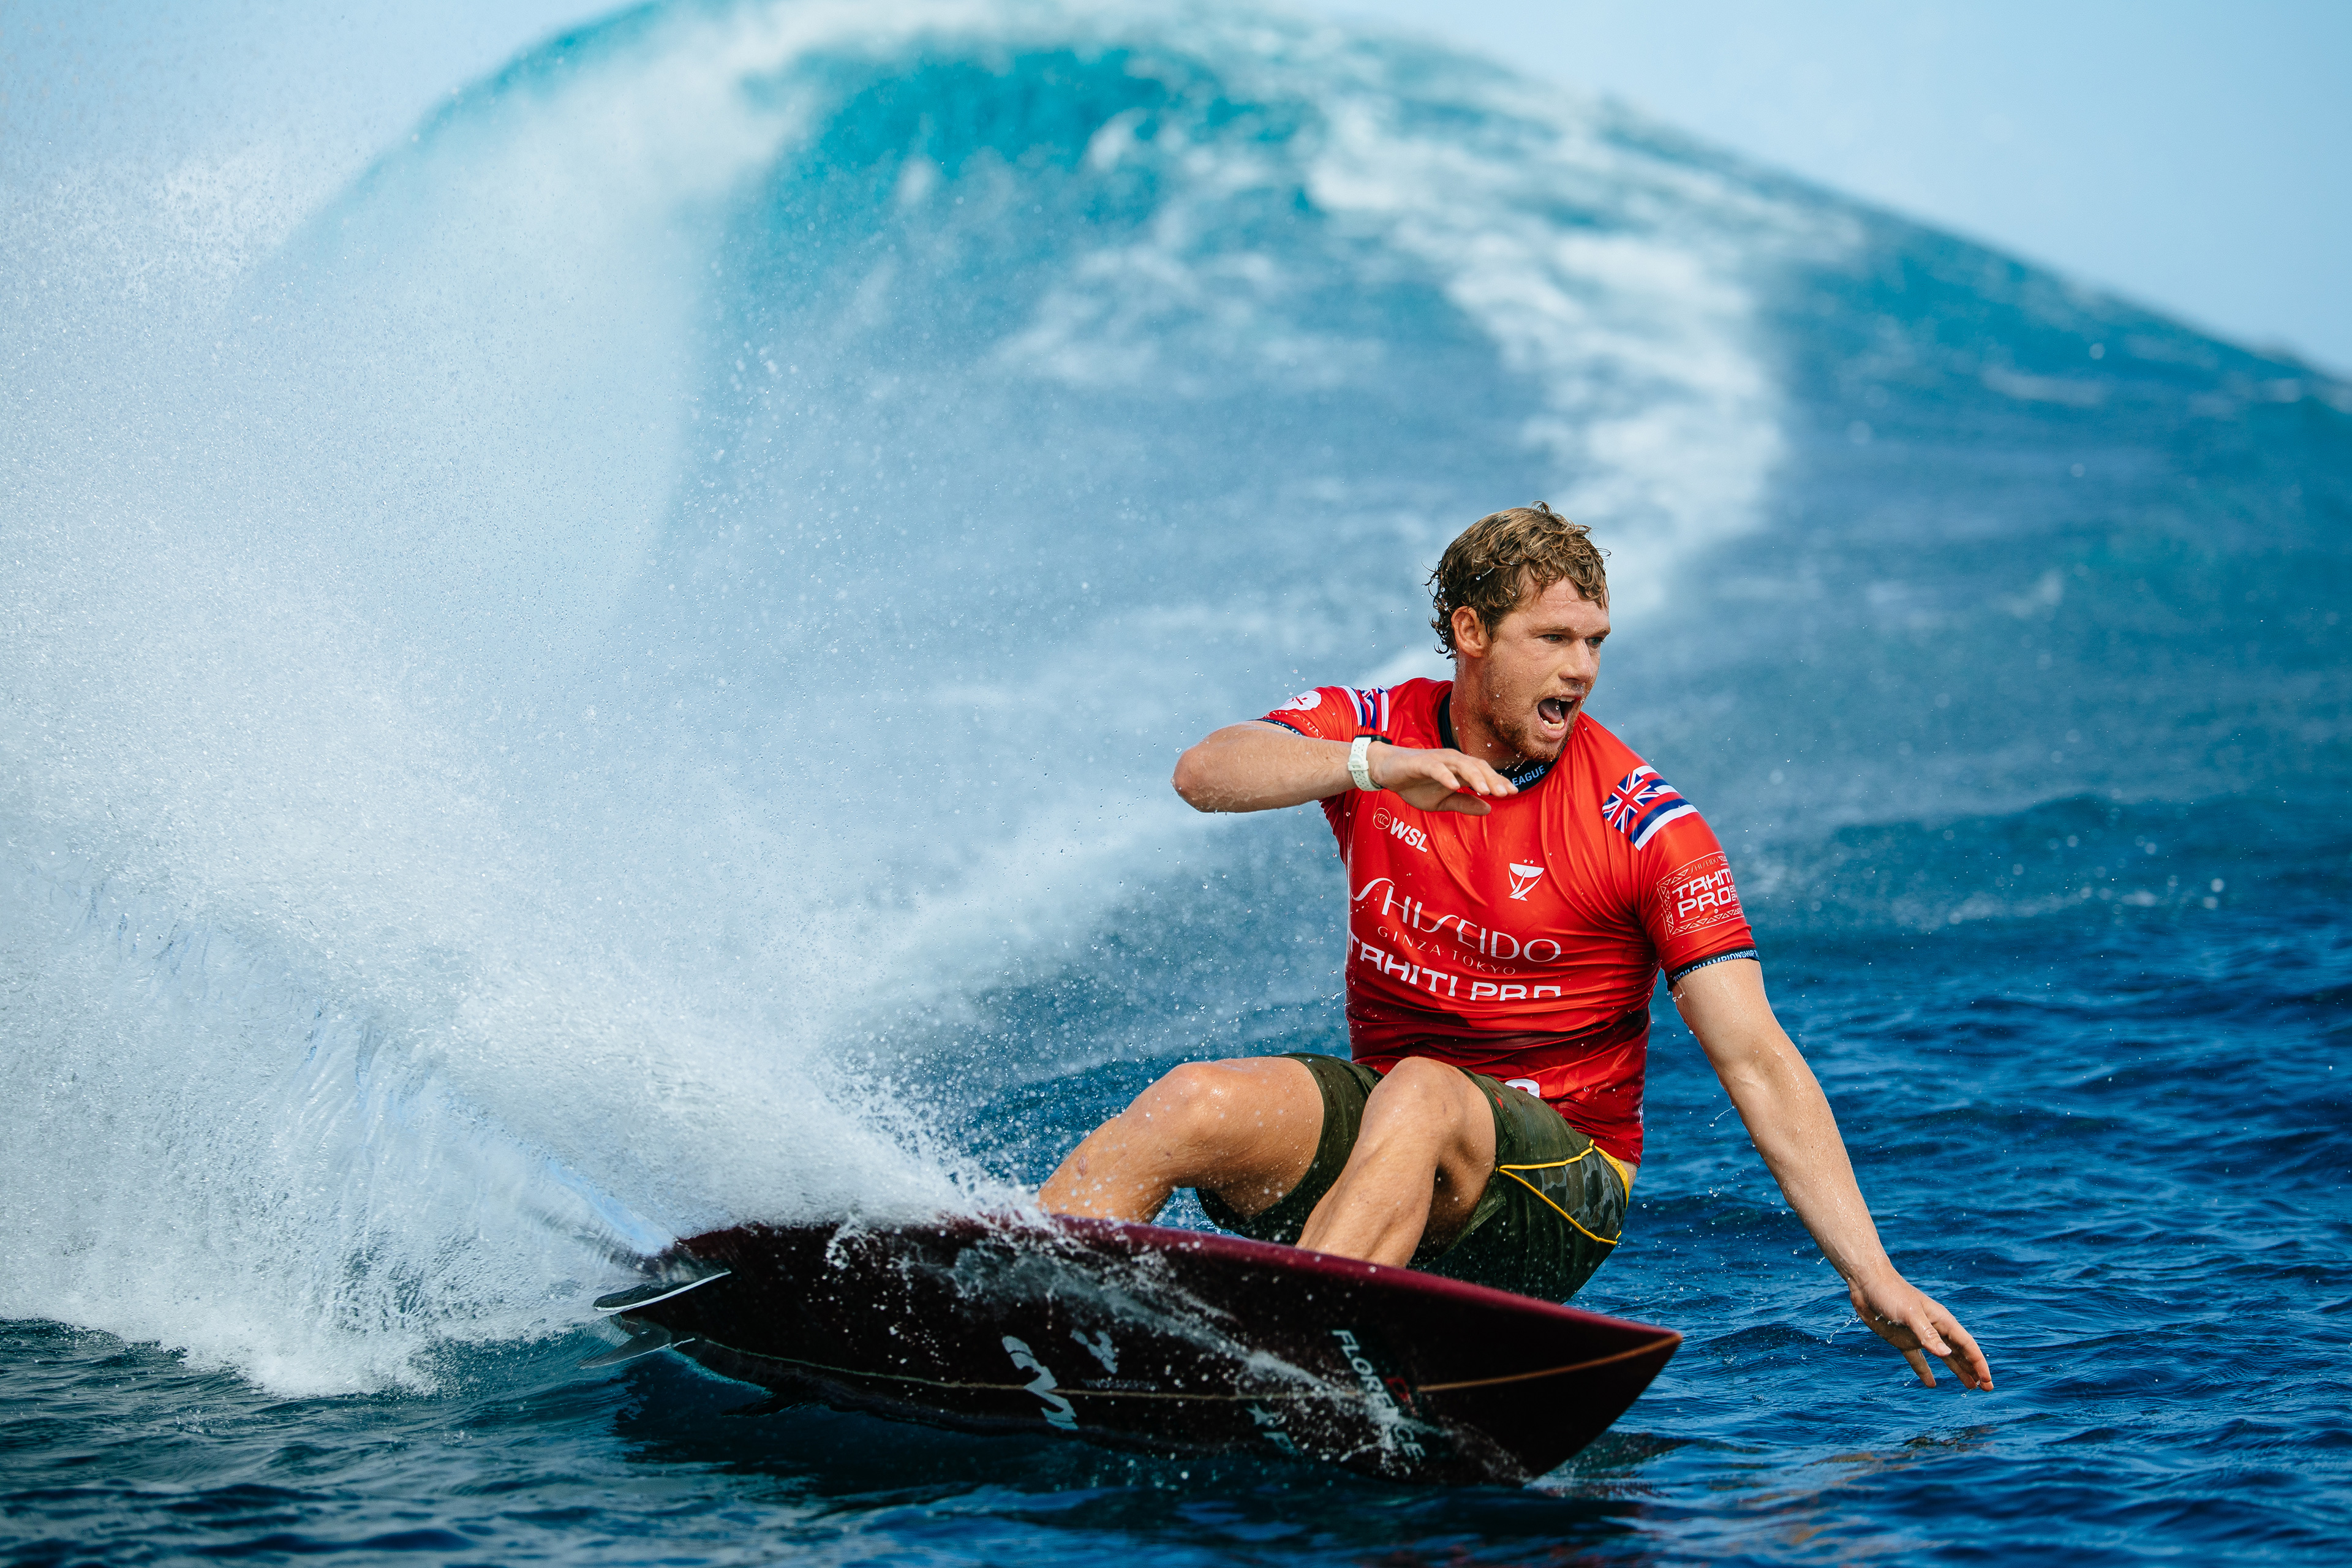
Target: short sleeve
1689,902
1325,713
1335,713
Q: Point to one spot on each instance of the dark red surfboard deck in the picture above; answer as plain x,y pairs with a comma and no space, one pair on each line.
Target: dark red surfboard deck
1170,1340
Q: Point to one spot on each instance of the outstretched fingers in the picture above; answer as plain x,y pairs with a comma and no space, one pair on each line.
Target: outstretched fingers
1438,779
1917,1324
1478,774
1938,1332
1960,1351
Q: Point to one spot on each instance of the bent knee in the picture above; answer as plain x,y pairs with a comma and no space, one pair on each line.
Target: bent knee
1431,1094
1194,1098
1422,1079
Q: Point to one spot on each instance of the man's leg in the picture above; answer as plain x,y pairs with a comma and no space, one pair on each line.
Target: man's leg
1418,1169
1245,1129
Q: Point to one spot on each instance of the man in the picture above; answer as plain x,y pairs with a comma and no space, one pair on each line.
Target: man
1517,880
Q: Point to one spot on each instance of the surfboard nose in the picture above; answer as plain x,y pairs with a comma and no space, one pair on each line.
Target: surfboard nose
676,1281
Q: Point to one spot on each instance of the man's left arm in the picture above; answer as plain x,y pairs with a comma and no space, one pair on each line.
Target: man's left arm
1789,1119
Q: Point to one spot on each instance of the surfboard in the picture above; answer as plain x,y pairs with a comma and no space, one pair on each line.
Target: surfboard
1135,1335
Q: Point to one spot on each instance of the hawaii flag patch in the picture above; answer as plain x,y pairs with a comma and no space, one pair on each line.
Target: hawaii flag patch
1642,804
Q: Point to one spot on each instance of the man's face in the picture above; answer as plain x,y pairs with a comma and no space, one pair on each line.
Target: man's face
1529,679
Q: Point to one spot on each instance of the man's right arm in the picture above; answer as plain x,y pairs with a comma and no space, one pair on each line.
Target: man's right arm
1259,766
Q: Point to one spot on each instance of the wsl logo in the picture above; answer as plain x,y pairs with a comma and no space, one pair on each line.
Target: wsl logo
1398,828
1523,879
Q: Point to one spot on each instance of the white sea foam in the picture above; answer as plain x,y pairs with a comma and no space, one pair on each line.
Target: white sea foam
475,786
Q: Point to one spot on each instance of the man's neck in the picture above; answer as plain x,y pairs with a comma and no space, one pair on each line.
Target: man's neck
1471,731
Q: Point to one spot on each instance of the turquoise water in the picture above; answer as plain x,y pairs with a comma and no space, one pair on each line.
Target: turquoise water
621,677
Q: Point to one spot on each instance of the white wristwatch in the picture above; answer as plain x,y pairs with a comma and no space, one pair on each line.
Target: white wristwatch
1359,762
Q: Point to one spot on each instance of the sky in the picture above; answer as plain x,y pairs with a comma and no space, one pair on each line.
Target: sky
2191,156
2176,152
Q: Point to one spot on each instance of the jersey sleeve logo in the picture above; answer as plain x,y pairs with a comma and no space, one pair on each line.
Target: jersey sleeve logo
1371,705
1306,701
1642,804
1698,894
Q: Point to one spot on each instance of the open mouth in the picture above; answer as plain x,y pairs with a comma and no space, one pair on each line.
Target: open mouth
1552,710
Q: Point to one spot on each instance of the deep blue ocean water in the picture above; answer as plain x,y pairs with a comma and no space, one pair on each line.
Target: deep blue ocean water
621,678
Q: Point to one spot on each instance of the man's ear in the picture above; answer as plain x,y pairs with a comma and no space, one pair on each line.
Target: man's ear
1470,632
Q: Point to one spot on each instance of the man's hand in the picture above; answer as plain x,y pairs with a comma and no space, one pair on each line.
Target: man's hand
1438,779
1915,1323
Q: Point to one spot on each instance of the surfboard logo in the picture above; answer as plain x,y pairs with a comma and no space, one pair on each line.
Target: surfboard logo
1385,1387
1523,879
1057,1412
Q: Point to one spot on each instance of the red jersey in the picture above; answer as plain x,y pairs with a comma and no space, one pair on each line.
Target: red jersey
1523,944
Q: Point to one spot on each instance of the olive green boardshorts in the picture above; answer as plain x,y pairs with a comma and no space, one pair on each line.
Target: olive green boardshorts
1551,1212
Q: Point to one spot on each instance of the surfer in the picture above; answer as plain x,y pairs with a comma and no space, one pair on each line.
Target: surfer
1517,880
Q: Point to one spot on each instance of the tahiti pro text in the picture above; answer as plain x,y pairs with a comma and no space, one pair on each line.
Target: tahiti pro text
1439,984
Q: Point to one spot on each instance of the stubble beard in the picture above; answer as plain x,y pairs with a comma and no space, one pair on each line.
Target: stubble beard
1515,733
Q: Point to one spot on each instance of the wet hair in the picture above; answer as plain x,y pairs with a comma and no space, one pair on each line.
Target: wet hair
1507,558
